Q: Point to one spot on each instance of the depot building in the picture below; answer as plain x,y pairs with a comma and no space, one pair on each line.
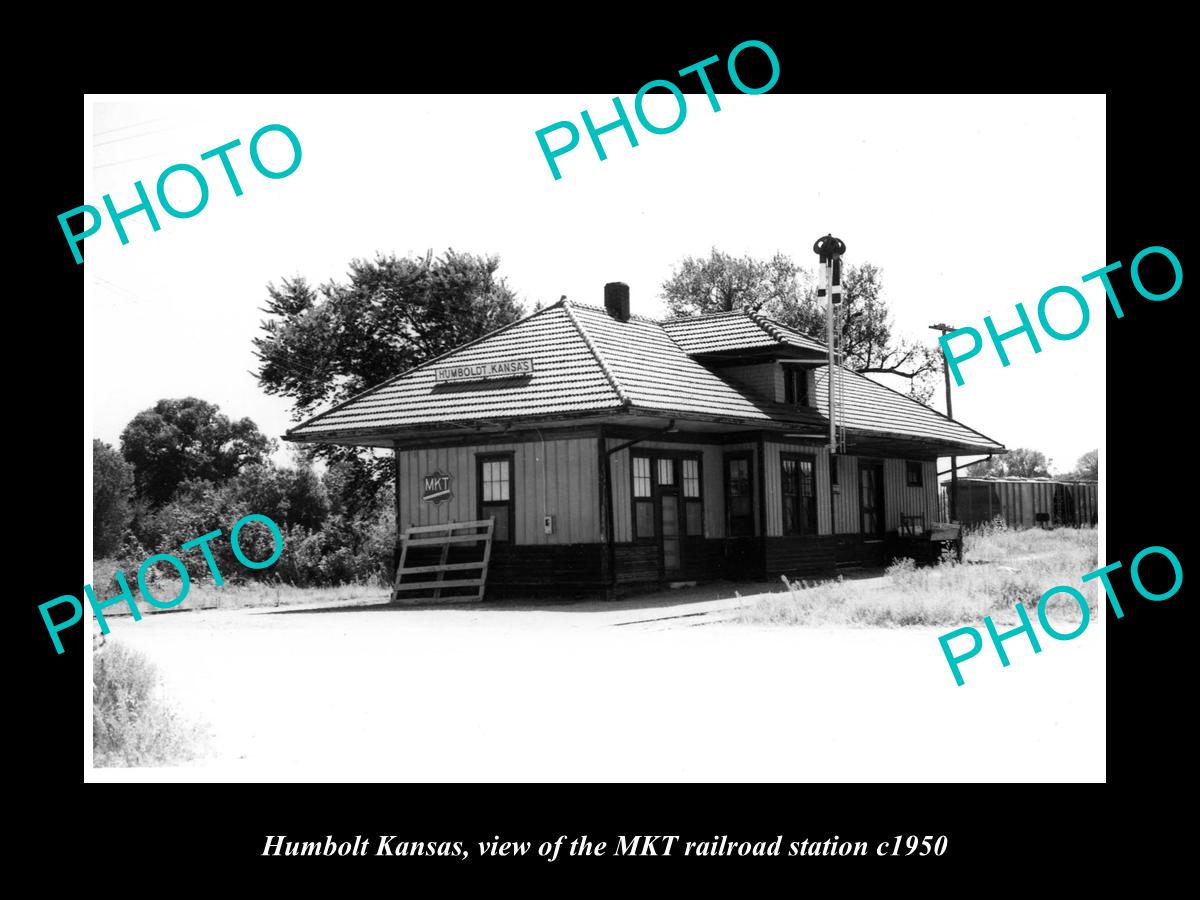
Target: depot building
613,450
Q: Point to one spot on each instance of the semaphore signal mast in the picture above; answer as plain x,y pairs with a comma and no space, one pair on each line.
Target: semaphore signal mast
829,251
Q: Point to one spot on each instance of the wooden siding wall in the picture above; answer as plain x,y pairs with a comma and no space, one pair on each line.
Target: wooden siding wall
932,507
568,485
567,480
847,518
771,452
899,499
712,490
764,378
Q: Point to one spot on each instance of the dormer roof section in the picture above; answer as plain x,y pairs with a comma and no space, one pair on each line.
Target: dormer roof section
740,335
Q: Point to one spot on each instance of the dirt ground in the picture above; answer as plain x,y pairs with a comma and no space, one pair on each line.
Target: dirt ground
650,689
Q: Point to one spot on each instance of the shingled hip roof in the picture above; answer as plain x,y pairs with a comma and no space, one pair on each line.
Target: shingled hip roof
657,375
739,330
870,407
567,380
589,364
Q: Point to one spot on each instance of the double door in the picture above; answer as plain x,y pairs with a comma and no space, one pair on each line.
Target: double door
668,511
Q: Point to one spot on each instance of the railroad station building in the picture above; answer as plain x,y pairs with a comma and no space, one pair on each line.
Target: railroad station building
612,450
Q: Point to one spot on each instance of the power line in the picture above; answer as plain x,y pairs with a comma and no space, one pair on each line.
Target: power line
130,137
123,161
138,298
123,127
293,366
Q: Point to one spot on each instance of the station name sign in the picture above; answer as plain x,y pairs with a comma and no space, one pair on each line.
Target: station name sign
504,368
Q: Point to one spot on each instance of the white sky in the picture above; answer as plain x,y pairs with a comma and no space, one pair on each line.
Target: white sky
969,205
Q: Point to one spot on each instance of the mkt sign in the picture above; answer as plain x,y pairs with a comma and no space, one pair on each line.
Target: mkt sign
437,488
497,368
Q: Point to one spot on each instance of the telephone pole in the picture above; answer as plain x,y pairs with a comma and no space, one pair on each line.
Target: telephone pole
945,329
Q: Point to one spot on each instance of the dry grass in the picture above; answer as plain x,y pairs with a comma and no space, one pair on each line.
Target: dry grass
203,594
1000,567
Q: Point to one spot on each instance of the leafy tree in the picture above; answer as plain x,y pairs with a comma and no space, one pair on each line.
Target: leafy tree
786,292
323,345
1087,468
112,498
197,507
286,496
723,282
177,440
295,499
355,483
866,336
1019,463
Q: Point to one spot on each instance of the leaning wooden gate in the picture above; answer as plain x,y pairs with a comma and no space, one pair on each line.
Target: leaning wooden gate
447,544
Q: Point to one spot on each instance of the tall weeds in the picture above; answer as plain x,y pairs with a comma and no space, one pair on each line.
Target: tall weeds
1000,568
131,724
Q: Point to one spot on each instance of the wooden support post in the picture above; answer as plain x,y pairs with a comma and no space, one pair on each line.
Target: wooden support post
760,564
761,477
396,549
608,559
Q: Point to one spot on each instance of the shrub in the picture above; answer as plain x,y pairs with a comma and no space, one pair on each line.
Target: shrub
197,508
131,725
319,549
354,551
995,525
286,496
126,559
948,556
379,540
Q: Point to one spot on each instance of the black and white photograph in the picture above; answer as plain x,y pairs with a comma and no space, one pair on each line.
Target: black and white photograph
525,437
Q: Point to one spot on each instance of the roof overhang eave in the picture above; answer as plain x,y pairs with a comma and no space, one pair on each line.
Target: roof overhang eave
750,355
451,426
866,438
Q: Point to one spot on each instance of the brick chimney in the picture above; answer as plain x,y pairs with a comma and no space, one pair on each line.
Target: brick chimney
616,300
